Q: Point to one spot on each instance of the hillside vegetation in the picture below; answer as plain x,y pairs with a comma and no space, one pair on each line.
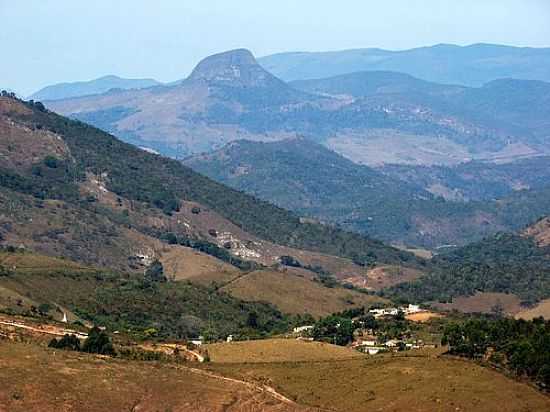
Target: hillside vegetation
162,184
505,263
168,310
312,180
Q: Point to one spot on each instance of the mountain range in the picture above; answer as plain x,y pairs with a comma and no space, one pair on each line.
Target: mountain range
371,118
472,65
414,205
97,86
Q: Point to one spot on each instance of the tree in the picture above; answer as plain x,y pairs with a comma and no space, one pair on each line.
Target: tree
155,272
44,308
252,320
335,330
289,261
98,342
51,161
70,342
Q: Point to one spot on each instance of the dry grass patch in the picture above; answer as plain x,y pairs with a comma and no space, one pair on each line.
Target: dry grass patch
483,303
39,379
184,263
541,309
295,294
423,316
385,383
278,350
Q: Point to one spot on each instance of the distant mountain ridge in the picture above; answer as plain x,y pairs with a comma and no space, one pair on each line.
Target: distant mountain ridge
472,65
370,117
404,206
97,86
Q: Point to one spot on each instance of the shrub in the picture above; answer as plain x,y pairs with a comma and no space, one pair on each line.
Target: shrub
155,272
98,342
52,162
68,342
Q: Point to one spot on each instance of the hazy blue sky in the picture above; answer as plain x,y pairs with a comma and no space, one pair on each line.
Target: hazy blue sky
49,41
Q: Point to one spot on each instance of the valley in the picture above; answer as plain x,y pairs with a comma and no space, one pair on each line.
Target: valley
195,228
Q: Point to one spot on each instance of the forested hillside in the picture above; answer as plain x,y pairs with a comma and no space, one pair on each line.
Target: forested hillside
163,183
306,177
504,263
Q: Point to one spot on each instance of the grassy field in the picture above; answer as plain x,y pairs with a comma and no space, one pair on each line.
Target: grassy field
423,316
483,303
278,350
541,309
295,294
31,263
386,383
182,263
39,379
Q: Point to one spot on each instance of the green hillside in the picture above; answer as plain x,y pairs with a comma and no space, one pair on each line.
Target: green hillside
504,263
137,175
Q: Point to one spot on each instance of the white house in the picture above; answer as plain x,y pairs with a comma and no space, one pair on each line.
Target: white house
301,329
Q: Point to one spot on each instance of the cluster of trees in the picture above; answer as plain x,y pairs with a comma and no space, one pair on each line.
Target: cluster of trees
518,345
97,342
334,329
155,272
177,310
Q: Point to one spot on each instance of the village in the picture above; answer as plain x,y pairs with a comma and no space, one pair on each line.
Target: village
382,330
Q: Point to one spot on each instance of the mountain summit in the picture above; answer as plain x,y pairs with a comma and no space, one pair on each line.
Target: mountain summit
233,68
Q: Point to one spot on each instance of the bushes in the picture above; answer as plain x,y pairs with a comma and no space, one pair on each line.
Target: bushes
67,342
4,271
155,272
98,342
290,261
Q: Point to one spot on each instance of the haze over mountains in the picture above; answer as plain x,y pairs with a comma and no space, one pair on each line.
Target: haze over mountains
396,203
472,65
429,141
96,86
230,97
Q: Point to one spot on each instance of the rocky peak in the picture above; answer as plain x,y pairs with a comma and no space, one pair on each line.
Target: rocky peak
234,68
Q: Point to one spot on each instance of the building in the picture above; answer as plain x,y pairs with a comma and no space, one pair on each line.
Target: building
302,329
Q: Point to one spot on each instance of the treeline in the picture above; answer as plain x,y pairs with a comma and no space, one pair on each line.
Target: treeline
504,263
520,346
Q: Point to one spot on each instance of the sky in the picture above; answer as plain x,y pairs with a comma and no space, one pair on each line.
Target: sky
43,42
